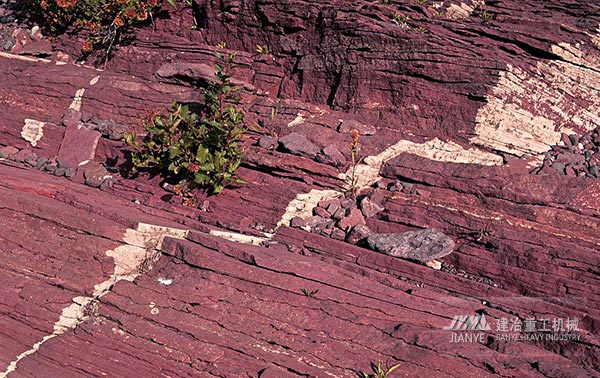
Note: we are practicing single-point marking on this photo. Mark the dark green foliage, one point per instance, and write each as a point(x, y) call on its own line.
point(202, 150)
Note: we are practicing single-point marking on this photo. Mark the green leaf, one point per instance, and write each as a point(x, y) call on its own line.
point(173, 3)
point(130, 139)
point(207, 167)
point(154, 130)
point(174, 151)
point(184, 112)
point(200, 178)
point(202, 154)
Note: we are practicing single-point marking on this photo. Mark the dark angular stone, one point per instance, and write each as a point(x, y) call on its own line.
point(337, 234)
point(71, 118)
point(566, 140)
point(339, 214)
point(346, 126)
point(377, 196)
point(109, 128)
point(348, 203)
point(298, 144)
point(70, 172)
point(314, 221)
point(570, 157)
point(31, 160)
point(41, 162)
point(331, 155)
point(325, 203)
point(574, 139)
point(333, 207)
point(267, 142)
point(326, 231)
point(368, 208)
point(59, 171)
point(22, 155)
point(62, 164)
point(559, 167)
point(354, 218)
point(94, 174)
point(321, 212)
point(4, 153)
point(358, 233)
point(106, 184)
point(49, 167)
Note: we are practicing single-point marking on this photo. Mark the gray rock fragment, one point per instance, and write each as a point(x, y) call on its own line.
point(298, 144)
point(423, 245)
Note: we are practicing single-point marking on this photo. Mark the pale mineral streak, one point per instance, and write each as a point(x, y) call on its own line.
point(141, 247)
point(529, 109)
point(32, 131)
point(367, 172)
point(77, 100)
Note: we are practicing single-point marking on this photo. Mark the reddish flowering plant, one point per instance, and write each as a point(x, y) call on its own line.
point(100, 21)
point(356, 160)
point(87, 46)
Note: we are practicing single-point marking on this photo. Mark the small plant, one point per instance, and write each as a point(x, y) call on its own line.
point(90, 309)
point(420, 2)
point(439, 12)
point(380, 370)
point(102, 22)
point(309, 293)
point(356, 160)
point(480, 9)
point(421, 29)
point(262, 49)
point(399, 19)
point(196, 150)
point(485, 15)
point(385, 2)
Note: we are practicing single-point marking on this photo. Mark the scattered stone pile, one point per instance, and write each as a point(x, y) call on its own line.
point(92, 174)
point(340, 219)
point(345, 218)
point(108, 128)
point(575, 157)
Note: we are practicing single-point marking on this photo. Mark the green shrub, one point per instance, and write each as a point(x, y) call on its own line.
point(201, 150)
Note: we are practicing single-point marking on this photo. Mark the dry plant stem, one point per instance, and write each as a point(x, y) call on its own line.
point(354, 150)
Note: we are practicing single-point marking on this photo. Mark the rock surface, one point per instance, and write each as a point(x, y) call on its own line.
point(463, 115)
